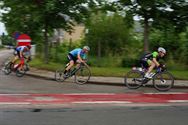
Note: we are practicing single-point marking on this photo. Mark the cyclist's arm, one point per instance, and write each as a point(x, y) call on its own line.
point(80, 59)
point(28, 54)
point(155, 55)
point(21, 54)
point(156, 62)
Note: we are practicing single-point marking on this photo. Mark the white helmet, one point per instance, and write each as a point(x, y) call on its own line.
point(161, 49)
point(86, 48)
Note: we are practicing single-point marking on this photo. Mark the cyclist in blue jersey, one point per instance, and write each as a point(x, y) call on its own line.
point(75, 55)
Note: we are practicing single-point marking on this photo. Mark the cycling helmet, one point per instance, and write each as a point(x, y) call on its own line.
point(29, 46)
point(161, 49)
point(86, 48)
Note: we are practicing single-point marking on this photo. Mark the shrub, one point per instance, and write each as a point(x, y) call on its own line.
point(129, 62)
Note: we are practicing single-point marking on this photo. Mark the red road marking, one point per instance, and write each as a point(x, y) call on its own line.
point(91, 98)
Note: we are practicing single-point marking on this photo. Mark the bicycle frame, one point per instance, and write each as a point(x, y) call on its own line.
point(72, 72)
point(77, 72)
point(145, 80)
point(14, 67)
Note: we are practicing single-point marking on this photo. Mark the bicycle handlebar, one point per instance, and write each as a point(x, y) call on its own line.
point(85, 64)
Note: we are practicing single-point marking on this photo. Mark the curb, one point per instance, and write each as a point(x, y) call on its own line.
point(101, 83)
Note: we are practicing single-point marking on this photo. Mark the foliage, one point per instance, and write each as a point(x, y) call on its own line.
point(30, 16)
point(104, 61)
point(108, 35)
point(159, 14)
point(7, 40)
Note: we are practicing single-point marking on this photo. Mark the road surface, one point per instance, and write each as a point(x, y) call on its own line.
point(34, 101)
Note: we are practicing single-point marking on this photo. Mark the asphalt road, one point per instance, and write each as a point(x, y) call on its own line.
point(96, 116)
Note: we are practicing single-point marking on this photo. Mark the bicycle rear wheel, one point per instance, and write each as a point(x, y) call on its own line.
point(83, 75)
point(133, 79)
point(59, 75)
point(163, 81)
point(7, 68)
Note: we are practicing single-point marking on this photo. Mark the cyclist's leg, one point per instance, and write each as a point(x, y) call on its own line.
point(144, 64)
point(16, 57)
point(22, 61)
point(71, 63)
point(78, 63)
point(151, 67)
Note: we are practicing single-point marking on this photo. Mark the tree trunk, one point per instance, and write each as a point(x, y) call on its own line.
point(70, 41)
point(99, 50)
point(57, 43)
point(46, 47)
point(146, 35)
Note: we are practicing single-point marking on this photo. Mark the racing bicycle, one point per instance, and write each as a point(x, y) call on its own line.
point(81, 73)
point(161, 79)
point(9, 67)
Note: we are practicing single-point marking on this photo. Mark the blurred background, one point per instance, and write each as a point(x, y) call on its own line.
point(117, 31)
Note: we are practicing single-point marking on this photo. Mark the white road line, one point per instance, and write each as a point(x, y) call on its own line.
point(166, 93)
point(173, 101)
point(15, 94)
point(91, 94)
point(102, 102)
point(15, 103)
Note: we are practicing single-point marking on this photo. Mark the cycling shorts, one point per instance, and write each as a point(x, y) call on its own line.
point(144, 63)
point(71, 57)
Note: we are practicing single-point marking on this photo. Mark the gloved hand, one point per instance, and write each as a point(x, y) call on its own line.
point(158, 69)
point(29, 59)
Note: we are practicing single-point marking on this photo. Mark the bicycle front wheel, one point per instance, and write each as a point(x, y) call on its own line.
point(22, 72)
point(163, 81)
point(133, 79)
point(59, 75)
point(83, 75)
point(7, 68)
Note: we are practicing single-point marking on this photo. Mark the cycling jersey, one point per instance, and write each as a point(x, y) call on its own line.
point(149, 57)
point(20, 48)
point(77, 52)
point(146, 60)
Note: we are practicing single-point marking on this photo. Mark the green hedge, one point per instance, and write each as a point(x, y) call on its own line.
point(129, 62)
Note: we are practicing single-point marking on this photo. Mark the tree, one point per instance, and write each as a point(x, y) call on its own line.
point(108, 34)
point(156, 13)
point(143, 9)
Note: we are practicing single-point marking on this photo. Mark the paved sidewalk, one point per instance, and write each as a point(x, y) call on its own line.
point(96, 80)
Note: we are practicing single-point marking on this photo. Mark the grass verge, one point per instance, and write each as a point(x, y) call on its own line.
point(103, 71)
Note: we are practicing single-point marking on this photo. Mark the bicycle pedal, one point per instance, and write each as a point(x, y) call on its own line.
point(65, 76)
